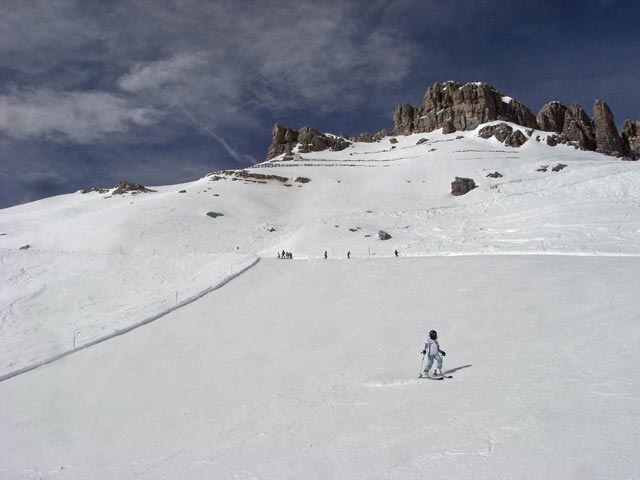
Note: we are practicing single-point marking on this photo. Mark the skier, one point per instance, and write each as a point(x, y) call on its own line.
point(349, 254)
point(325, 254)
point(396, 253)
point(433, 352)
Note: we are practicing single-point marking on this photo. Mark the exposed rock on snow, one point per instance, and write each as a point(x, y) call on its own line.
point(251, 177)
point(558, 167)
point(608, 140)
point(500, 131)
point(215, 214)
point(124, 187)
point(494, 175)
point(504, 133)
point(382, 235)
point(516, 139)
point(97, 190)
point(460, 186)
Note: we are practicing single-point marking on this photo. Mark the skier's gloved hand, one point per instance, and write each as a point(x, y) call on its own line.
point(424, 352)
point(443, 353)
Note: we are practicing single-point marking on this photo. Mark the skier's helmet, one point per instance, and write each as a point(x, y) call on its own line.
point(433, 335)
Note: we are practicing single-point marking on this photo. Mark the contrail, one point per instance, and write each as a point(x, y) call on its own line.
point(211, 133)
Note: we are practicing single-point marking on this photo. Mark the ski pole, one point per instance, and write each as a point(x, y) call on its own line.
point(421, 364)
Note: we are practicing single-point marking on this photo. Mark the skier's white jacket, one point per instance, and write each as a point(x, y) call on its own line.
point(432, 347)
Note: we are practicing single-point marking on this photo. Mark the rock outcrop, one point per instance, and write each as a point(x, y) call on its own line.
point(550, 118)
point(403, 118)
point(504, 133)
point(124, 187)
point(631, 136)
point(578, 128)
point(608, 140)
point(308, 139)
point(453, 106)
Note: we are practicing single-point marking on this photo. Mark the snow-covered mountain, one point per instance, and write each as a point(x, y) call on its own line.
point(306, 368)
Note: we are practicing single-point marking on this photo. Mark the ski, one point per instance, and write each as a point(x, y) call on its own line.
point(438, 377)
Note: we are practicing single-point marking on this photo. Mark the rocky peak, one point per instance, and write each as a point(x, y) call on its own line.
point(308, 139)
point(631, 136)
point(578, 128)
point(550, 118)
point(454, 106)
point(608, 140)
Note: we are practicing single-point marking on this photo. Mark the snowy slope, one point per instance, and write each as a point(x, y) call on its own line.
point(307, 370)
point(101, 263)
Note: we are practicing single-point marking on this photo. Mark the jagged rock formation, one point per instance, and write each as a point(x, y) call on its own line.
point(631, 136)
point(453, 106)
point(283, 139)
point(578, 128)
point(550, 118)
point(607, 139)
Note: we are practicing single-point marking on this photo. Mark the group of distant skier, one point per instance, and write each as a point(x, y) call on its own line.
point(285, 255)
point(326, 255)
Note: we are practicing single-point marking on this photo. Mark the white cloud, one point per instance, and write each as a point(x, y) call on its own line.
point(169, 72)
point(77, 116)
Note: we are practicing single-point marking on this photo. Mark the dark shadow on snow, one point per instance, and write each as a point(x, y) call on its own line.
point(456, 369)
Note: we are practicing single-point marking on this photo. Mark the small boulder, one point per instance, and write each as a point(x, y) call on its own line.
point(393, 140)
point(421, 141)
point(460, 186)
point(215, 214)
point(558, 167)
point(382, 235)
point(495, 175)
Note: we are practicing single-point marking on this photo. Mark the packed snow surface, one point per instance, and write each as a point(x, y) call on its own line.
point(307, 368)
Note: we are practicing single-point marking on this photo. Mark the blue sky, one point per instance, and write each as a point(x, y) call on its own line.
point(159, 91)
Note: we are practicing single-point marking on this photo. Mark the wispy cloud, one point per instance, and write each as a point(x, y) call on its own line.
point(74, 116)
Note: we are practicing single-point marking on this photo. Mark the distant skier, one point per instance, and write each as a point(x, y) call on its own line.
point(325, 254)
point(433, 352)
point(349, 254)
point(396, 252)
